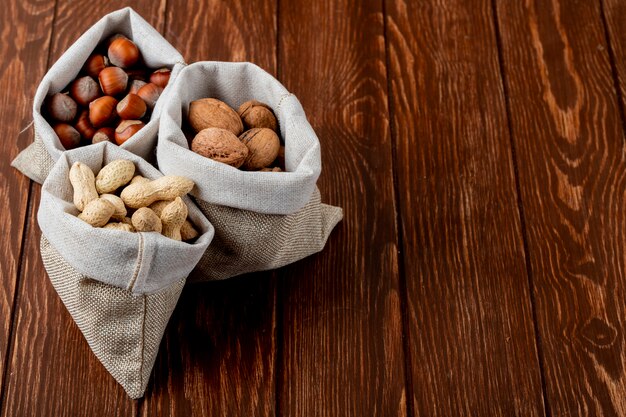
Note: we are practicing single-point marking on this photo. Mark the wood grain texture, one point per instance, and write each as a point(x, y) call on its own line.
point(570, 153)
point(220, 30)
point(219, 354)
point(52, 370)
point(471, 335)
point(26, 27)
point(341, 325)
point(614, 16)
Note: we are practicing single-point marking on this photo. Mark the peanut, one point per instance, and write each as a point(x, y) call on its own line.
point(173, 217)
point(146, 220)
point(119, 226)
point(165, 188)
point(120, 208)
point(113, 175)
point(83, 181)
point(97, 213)
point(139, 178)
point(187, 231)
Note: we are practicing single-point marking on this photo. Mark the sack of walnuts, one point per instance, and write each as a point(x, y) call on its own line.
point(37, 159)
point(263, 219)
point(120, 287)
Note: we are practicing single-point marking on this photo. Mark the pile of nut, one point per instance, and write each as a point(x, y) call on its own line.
point(153, 206)
point(110, 100)
point(246, 139)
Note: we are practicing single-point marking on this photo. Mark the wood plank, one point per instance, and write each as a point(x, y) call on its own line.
point(341, 322)
point(471, 335)
point(614, 16)
point(52, 371)
point(27, 28)
point(570, 152)
point(219, 352)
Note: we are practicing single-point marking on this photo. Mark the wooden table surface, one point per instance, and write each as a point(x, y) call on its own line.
point(477, 149)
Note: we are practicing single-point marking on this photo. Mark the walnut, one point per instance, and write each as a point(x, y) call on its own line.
point(210, 112)
point(253, 113)
point(220, 145)
point(263, 145)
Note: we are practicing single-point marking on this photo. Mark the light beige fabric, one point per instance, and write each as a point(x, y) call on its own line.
point(123, 329)
point(246, 241)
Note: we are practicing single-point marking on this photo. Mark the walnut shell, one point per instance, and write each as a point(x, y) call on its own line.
point(210, 112)
point(253, 113)
point(263, 145)
point(220, 145)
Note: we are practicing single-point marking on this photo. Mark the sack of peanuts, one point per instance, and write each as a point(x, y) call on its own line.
point(92, 93)
point(118, 242)
point(246, 143)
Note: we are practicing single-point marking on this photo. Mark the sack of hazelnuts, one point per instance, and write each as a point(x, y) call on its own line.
point(120, 286)
point(108, 86)
point(245, 141)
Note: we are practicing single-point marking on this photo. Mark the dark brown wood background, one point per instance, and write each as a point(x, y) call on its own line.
point(477, 148)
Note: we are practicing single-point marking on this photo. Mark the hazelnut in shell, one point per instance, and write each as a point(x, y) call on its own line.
point(84, 126)
point(113, 81)
point(126, 129)
point(84, 90)
point(253, 113)
point(220, 145)
point(160, 77)
point(94, 64)
point(123, 52)
point(150, 93)
point(104, 134)
point(62, 107)
point(210, 112)
point(69, 137)
point(131, 107)
point(263, 145)
point(135, 85)
point(102, 111)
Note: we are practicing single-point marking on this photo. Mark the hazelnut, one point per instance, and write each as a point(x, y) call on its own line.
point(113, 81)
point(135, 85)
point(62, 108)
point(123, 52)
point(220, 145)
point(256, 114)
point(94, 64)
point(112, 38)
point(150, 93)
point(84, 90)
point(160, 77)
point(263, 145)
point(102, 111)
point(84, 126)
point(104, 134)
point(210, 112)
point(126, 130)
point(131, 107)
point(69, 137)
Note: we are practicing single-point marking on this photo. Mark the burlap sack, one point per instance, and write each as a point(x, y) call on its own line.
point(37, 159)
point(262, 220)
point(119, 287)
